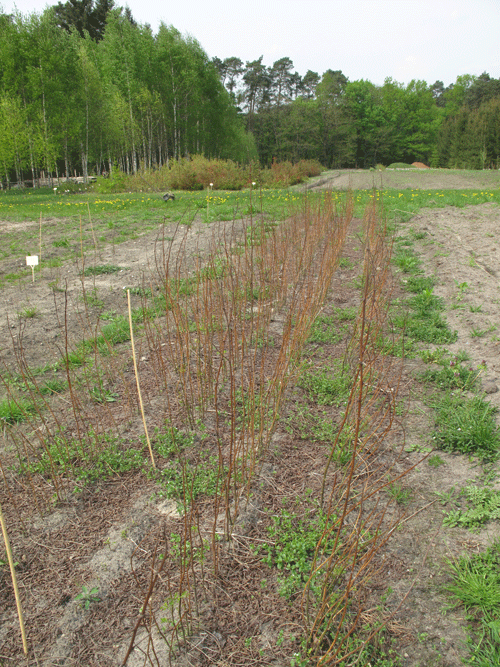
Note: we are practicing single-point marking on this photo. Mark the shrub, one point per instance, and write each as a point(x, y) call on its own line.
point(197, 172)
point(400, 165)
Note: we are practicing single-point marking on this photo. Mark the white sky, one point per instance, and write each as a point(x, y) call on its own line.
point(366, 39)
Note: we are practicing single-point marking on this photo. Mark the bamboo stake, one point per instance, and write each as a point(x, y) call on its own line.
point(14, 581)
point(137, 379)
point(40, 253)
point(92, 229)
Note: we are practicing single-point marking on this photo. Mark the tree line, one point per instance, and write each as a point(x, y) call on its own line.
point(85, 88)
point(356, 123)
point(87, 95)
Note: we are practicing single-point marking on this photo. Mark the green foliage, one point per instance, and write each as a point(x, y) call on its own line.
point(400, 165)
point(325, 330)
point(13, 411)
point(293, 542)
point(85, 463)
point(185, 482)
point(407, 262)
point(101, 269)
point(328, 386)
point(346, 314)
point(53, 386)
point(483, 504)
point(88, 597)
point(170, 441)
point(423, 321)
point(399, 493)
point(451, 376)
point(431, 328)
point(29, 312)
point(466, 425)
point(435, 461)
point(61, 243)
point(475, 585)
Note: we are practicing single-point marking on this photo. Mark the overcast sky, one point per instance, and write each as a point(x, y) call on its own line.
point(366, 39)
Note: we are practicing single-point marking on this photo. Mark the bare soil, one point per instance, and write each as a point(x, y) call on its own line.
point(105, 536)
point(424, 179)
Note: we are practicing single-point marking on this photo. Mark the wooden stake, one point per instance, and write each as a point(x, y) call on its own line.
point(40, 253)
point(14, 581)
point(137, 379)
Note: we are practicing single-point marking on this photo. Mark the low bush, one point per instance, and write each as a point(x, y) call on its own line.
point(198, 172)
point(400, 165)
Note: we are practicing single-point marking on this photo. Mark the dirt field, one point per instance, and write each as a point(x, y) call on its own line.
point(425, 179)
point(104, 537)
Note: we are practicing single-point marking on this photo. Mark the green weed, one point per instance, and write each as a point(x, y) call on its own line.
point(61, 456)
point(483, 504)
point(15, 411)
point(407, 262)
point(466, 426)
point(29, 312)
point(101, 269)
point(431, 328)
point(293, 542)
point(345, 263)
point(476, 586)
point(329, 386)
point(185, 483)
point(61, 243)
point(435, 461)
point(88, 597)
point(399, 493)
point(345, 314)
point(451, 376)
point(325, 330)
point(417, 284)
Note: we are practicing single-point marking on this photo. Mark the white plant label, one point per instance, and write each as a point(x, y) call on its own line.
point(32, 260)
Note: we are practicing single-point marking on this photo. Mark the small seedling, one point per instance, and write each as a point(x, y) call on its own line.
point(87, 597)
point(401, 495)
point(435, 461)
point(462, 288)
point(29, 312)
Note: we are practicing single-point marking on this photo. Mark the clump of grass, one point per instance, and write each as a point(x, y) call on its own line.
point(476, 587)
point(428, 328)
point(53, 386)
point(61, 456)
point(346, 314)
point(466, 426)
point(399, 493)
point(326, 330)
point(451, 376)
point(101, 269)
point(61, 243)
point(15, 411)
point(407, 262)
point(29, 312)
point(328, 386)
